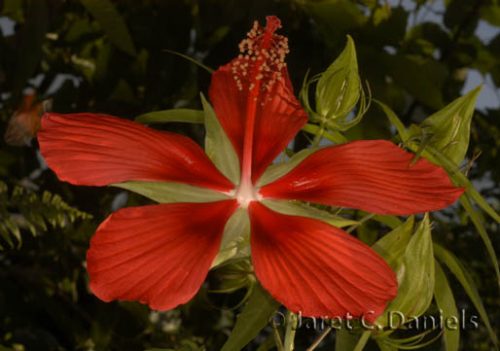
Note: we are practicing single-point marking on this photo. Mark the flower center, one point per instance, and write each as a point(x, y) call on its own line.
point(247, 193)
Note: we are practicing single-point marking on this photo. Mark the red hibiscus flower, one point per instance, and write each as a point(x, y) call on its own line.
point(161, 254)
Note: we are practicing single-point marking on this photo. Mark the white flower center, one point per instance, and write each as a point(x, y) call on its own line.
point(247, 193)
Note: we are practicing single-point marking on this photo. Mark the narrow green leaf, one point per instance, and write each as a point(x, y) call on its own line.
point(278, 170)
point(167, 192)
point(415, 275)
point(339, 87)
point(478, 224)
point(464, 278)
point(174, 115)
point(449, 128)
point(363, 340)
point(392, 246)
point(218, 146)
point(462, 180)
point(252, 319)
point(394, 119)
point(446, 302)
point(112, 24)
point(294, 208)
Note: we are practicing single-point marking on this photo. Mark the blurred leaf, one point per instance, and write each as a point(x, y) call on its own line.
point(415, 275)
point(491, 14)
point(31, 40)
point(446, 302)
point(168, 192)
point(448, 129)
point(174, 115)
point(293, 208)
point(335, 18)
point(14, 10)
point(112, 23)
point(218, 146)
point(462, 275)
point(423, 78)
point(252, 319)
point(345, 340)
point(339, 89)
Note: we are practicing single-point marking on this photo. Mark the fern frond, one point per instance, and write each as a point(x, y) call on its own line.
point(23, 209)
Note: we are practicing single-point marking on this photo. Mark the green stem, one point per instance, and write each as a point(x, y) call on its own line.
point(291, 328)
point(362, 341)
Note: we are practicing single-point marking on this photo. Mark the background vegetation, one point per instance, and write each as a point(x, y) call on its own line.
point(112, 57)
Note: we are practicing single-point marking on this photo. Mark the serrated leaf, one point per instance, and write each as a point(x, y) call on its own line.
point(446, 302)
point(464, 278)
point(293, 208)
point(235, 239)
point(173, 115)
point(276, 171)
point(218, 146)
point(392, 246)
point(415, 275)
point(252, 319)
point(339, 87)
point(112, 24)
point(448, 129)
point(168, 192)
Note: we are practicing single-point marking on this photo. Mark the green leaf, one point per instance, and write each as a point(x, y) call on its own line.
point(415, 275)
point(295, 208)
point(332, 135)
point(235, 240)
point(252, 319)
point(448, 129)
point(392, 246)
point(218, 146)
point(168, 192)
point(394, 119)
point(464, 278)
point(446, 302)
point(345, 339)
point(112, 24)
point(339, 88)
point(278, 170)
point(174, 115)
point(423, 78)
point(478, 224)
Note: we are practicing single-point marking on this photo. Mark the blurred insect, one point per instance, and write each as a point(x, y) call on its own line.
point(25, 122)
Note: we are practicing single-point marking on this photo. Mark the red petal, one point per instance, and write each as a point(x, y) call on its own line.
point(371, 175)
point(257, 106)
point(316, 269)
point(159, 254)
point(90, 149)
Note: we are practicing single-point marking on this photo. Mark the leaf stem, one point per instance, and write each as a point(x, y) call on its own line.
point(319, 339)
point(291, 328)
point(362, 341)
